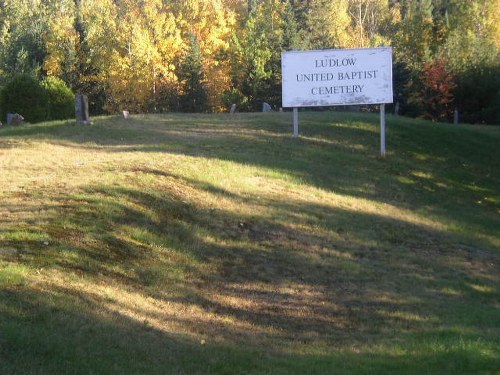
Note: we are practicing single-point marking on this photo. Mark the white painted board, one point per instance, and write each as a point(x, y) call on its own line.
point(337, 77)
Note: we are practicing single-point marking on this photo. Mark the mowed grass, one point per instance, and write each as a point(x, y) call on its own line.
point(218, 244)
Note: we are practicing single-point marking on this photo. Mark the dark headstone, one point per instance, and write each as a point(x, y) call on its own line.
point(82, 109)
point(266, 107)
point(396, 109)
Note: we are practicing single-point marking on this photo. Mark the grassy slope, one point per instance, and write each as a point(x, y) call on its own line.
point(219, 244)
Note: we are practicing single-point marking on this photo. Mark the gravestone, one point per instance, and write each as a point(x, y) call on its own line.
point(266, 107)
point(232, 109)
point(82, 109)
point(14, 119)
point(126, 114)
point(455, 117)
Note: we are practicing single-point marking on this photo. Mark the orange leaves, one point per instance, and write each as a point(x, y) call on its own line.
point(438, 85)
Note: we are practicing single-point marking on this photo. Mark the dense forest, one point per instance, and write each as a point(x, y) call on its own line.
point(203, 55)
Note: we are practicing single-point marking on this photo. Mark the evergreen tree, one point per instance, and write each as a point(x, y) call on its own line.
point(268, 31)
point(193, 97)
point(22, 48)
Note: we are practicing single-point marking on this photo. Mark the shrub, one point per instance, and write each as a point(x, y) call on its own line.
point(437, 95)
point(61, 100)
point(26, 96)
point(37, 101)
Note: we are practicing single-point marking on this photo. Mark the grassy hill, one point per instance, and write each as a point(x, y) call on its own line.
point(219, 244)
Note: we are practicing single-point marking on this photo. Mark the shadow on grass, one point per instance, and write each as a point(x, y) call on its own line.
point(266, 292)
point(42, 337)
point(66, 332)
point(452, 175)
point(306, 278)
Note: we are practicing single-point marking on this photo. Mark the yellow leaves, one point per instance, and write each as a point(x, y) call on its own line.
point(146, 44)
point(60, 42)
point(218, 81)
point(493, 20)
point(213, 23)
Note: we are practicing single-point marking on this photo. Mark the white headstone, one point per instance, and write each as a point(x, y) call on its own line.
point(266, 107)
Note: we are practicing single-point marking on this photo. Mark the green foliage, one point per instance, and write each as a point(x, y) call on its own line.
point(256, 69)
point(413, 37)
point(26, 96)
point(467, 35)
point(474, 58)
point(251, 69)
point(194, 96)
point(401, 78)
point(22, 46)
point(60, 97)
point(234, 96)
point(327, 24)
point(37, 101)
point(478, 95)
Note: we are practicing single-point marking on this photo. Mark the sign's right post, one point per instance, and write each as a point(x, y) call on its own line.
point(382, 130)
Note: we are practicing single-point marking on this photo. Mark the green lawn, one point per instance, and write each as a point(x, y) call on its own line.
point(218, 244)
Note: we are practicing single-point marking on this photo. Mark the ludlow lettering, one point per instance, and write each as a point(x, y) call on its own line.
point(331, 63)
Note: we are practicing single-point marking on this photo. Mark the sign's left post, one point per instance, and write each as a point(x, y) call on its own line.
point(295, 122)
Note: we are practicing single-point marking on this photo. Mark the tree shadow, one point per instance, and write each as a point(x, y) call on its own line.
point(284, 279)
point(336, 152)
point(68, 332)
point(297, 275)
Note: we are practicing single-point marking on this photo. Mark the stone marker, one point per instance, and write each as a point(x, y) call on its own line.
point(126, 114)
point(396, 109)
point(233, 108)
point(82, 109)
point(14, 119)
point(266, 107)
point(455, 117)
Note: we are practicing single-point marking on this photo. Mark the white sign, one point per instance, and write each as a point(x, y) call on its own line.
point(337, 77)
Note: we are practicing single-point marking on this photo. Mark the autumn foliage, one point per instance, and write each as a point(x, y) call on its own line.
point(437, 90)
point(204, 55)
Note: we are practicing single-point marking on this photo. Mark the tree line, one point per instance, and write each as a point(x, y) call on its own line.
point(204, 55)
